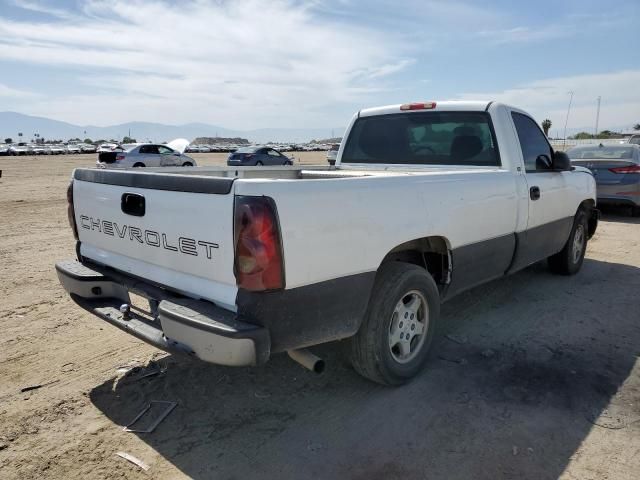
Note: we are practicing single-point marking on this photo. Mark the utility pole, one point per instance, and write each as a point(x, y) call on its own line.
point(567, 119)
point(597, 118)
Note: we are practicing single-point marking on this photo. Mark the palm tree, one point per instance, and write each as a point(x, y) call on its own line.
point(546, 125)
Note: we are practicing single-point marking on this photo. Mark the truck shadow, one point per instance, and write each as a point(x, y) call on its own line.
point(522, 370)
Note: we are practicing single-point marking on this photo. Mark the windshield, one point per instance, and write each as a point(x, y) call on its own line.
point(613, 153)
point(425, 138)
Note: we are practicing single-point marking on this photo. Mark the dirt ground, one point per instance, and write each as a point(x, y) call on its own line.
point(533, 376)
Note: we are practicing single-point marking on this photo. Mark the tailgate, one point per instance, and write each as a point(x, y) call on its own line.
point(171, 229)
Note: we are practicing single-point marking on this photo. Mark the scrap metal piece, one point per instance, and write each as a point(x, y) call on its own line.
point(169, 407)
point(134, 460)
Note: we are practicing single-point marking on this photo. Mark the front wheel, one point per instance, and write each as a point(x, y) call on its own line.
point(138, 165)
point(258, 164)
point(393, 342)
point(568, 261)
point(187, 164)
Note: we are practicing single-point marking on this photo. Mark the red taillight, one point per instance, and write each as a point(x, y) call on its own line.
point(627, 169)
point(71, 212)
point(120, 157)
point(258, 250)
point(418, 106)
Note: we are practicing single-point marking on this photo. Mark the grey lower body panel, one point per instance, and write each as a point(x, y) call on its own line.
point(174, 324)
point(480, 262)
point(540, 242)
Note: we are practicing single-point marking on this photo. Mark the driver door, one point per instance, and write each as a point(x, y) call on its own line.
point(550, 219)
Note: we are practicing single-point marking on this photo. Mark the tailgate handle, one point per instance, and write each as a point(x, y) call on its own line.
point(133, 204)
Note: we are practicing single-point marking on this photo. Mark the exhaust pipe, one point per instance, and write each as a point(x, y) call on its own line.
point(307, 359)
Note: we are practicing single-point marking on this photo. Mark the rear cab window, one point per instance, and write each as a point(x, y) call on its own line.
point(424, 138)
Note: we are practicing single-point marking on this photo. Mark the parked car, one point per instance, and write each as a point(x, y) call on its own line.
point(107, 147)
point(56, 149)
point(147, 155)
point(87, 148)
point(257, 156)
point(19, 149)
point(332, 153)
point(4, 149)
point(634, 139)
point(73, 148)
point(616, 169)
point(38, 150)
point(426, 201)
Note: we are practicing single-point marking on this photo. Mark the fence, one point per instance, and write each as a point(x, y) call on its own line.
point(588, 141)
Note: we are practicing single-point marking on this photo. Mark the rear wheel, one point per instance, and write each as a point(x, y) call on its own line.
point(568, 261)
point(187, 164)
point(258, 164)
point(394, 339)
point(138, 165)
point(635, 211)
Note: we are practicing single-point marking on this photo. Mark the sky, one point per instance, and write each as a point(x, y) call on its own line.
point(246, 64)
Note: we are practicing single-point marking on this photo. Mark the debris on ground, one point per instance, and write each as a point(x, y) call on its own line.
point(488, 353)
point(459, 339)
point(134, 460)
point(514, 450)
point(150, 411)
point(459, 361)
point(36, 387)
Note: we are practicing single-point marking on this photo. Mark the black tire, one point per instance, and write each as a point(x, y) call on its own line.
point(187, 164)
point(635, 211)
point(372, 356)
point(138, 165)
point(258, 164)
point(568, 261)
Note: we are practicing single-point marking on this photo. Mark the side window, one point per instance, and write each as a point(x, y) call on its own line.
point(164, 150)
point(149, 149)
point(533, 144)
point(273, 153)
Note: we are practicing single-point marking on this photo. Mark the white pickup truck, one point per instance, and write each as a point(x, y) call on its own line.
point(426, 200)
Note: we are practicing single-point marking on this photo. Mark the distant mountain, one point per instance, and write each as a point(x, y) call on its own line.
point(12, 123)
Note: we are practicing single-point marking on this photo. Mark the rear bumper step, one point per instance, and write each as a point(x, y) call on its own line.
point(174, 324)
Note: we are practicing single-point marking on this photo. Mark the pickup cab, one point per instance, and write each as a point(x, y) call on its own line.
point(234, 264)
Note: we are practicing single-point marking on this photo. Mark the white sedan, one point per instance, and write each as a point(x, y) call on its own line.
point(147, 155)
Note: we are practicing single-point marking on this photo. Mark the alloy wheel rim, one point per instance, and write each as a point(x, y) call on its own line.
point(408, 326)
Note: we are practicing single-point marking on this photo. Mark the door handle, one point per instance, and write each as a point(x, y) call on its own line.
point(534, 193)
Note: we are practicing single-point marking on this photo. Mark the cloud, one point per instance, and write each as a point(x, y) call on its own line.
point(199, 60)
point(549, 98)
point(39, 7)
point(7, 92)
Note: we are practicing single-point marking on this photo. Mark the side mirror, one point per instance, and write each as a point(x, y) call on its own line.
point(561, 161)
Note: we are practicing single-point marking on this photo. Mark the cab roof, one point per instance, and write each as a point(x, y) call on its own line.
point(442, 106)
